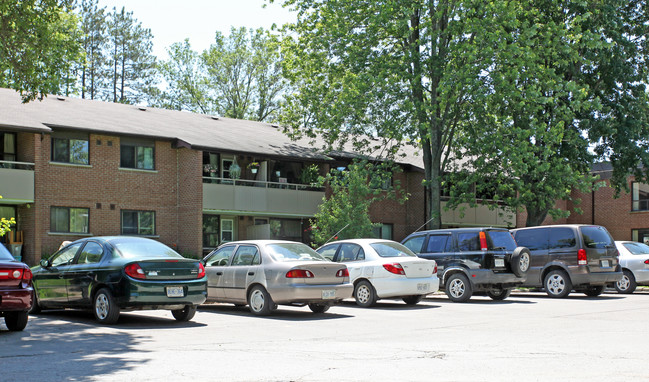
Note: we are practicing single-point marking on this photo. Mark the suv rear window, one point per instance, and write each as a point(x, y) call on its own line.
point(468, 241)
point(562, 237)
point(596, 237)
point(502, 240)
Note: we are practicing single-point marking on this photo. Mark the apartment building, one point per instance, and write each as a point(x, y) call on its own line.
point(71, 168)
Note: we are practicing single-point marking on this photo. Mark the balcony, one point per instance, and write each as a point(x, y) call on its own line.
point(16, 182)
point(480, 215)
point(253, 197)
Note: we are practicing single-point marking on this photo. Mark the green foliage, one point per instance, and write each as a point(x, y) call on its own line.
point(309, 174)
point(5, 224)
point(244, 73)
point(39, 43)
point(188, 86)
point(528, 138)
point(345, 213)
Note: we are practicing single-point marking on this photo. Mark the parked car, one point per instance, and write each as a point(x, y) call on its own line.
point(15, 291)
point(120, 273)
point(570, 256)
point(265, 273)
point(634, 260)
point(383, 269)
point(473, 260)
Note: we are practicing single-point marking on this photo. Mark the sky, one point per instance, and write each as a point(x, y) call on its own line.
point(174, 20)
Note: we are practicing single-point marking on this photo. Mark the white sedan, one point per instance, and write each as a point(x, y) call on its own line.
point(634, 259)
point(383, 269)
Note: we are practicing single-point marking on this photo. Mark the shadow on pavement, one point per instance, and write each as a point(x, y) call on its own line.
point(479, 299)
point(56, 347)
point(284, 313)
point(388, 304)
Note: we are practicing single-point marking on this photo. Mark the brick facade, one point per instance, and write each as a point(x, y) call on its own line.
point(173, 190)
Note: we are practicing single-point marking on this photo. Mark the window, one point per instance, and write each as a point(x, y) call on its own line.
point(227, 230)
point(91, 253)
point(66, 255)
point(415, 243)
point(350, 252)
point(138, 222)
point(139, 154)
point(70, 148)
point(388, 249)
point(640, 194)
point(596, 237)
point(67, 219)
point(467, 242)
point(286, 229)
point(533, 239)
point(220, 257)
point(8, 146)
point(211, 231)
point(438, 244)
point(246, 255)
point(640, 235)
point(383, 231)
point(501, 240)
point(562, 238)
point(329, 251)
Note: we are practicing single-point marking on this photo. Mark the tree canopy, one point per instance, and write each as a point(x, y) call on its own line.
point(516, 99)
point(39, 44)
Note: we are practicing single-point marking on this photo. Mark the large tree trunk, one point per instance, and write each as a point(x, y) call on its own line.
point(535, 216)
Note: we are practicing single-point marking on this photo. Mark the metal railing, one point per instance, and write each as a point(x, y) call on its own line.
point(16, 165)
point(264, 184)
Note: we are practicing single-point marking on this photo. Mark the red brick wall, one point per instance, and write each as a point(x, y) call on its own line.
point(173, 191)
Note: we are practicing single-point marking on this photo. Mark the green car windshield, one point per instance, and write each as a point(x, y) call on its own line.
point(293, 252)
point(143, 249)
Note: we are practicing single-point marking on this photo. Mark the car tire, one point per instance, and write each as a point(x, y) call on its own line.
point(259, 301)
point(626, 284)
point(16, 321)
point(319, 308)
point(499, 294)
point(520, 261)
point(413, 300)
point(105, 308)
point(184, 314)
point(557, 284)
point(458, 288)
point(595, 290)
point(364, 294)
point(36, 306)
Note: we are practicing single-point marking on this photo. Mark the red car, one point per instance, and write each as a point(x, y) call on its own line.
point(16, 291)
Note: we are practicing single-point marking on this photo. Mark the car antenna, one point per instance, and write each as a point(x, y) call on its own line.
point(423, 225)
point(336, 234)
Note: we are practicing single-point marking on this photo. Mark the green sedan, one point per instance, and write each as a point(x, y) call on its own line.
point(119, 273)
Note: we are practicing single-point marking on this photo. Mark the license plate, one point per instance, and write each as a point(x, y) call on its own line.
point(175, 292)
point(328, 294)
point(500, 263)
point(423, 287)
point(605, 264)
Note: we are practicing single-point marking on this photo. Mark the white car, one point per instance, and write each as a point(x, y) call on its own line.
point(383, 269)
point(634, 259)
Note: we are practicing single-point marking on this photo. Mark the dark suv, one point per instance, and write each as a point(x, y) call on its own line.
point(572, 256)
point(473, 260)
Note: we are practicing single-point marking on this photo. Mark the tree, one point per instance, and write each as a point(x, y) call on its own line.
point(38, 46)
point(244, 73)
point(345, 213)
point(92, 21)
point(402, 70)
point(132, 65)
point(186, 82)
point(530, 137)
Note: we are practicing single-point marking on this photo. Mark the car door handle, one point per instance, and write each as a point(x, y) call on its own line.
point(219, 273)
point(60, 275)
point(251, 273)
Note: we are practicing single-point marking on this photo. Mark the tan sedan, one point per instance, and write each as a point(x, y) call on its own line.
point(265, 273)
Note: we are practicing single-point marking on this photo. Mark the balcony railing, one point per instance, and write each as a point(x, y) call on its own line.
point(16, 165)
point(263, 184)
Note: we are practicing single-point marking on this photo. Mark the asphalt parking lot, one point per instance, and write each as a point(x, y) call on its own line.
point(528, 337)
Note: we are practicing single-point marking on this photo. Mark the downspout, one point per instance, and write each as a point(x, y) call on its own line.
point(592, 205)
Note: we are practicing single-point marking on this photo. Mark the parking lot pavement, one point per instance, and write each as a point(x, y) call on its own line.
point(528, 337)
